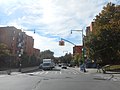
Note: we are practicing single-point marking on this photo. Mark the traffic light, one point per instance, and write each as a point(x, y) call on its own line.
point(61, 43)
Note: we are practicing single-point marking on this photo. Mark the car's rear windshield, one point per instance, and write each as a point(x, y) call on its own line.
point(46, 64)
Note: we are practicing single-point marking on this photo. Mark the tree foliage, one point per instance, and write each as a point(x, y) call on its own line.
point(4, 55)
point(28, 61)
point(77, 58)
point(66, 59)
point(47, 54)
point(104, 43)
point(4, 51)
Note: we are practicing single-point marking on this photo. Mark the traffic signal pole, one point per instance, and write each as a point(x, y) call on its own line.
point(83, 64)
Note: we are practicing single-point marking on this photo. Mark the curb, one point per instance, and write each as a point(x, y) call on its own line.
point(103, 77)
point(23, 70)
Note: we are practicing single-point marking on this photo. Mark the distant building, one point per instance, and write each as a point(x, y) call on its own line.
point(77, 50)
point(88, 31)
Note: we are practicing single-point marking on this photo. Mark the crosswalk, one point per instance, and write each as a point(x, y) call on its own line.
point(43, 73)
point(54, 73)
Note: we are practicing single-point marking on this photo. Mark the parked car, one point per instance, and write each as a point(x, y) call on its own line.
point(64, 66)
point(59, 65)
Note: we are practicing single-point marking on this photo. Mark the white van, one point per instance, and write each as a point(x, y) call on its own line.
point(47, 64)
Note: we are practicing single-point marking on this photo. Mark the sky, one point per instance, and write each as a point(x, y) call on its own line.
point(52, 20)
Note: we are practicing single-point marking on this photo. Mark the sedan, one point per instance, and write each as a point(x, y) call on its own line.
point(64, 66)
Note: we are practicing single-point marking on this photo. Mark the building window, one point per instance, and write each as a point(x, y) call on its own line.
point(14, 32)
point(13, 38)
point(19, 34)
point(19, 40)
point(19, 45)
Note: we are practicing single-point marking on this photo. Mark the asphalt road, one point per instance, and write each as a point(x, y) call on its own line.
point(57, 79)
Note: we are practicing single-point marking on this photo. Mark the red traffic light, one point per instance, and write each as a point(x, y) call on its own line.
point(61, 43)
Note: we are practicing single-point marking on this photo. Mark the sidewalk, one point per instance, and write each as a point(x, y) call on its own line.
point(115, 76)
point(23, 70)
point(88, 70)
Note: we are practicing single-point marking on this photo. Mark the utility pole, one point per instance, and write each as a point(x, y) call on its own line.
point(83, 49)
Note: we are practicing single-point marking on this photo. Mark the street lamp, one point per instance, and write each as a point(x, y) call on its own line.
point(83, 49)
point(82, 34)
point(29, 30)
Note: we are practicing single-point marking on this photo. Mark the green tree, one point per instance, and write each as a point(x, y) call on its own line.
point(47, 54)
point(77, 58)
point(104, 43)
point(67, 58)
point(25, 60)
point(4, 55)
point(33, 60)
point(4, 51)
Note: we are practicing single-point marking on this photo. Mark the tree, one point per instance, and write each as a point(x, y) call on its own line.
point(33, 60)
point(4, 51)
point(24, 60)
point(66, 59)
point(47, 54)
point(77, 58)
point(4, 55)
point(27, 60)
point(105, 39)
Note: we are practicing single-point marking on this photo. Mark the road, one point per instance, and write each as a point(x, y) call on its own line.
point(57, 79)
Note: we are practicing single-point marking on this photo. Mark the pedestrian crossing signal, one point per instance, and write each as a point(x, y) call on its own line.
point(61, 43)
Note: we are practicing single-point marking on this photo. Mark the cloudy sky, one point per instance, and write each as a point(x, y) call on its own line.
point(51, 20)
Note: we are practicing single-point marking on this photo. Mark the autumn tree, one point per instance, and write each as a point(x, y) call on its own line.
point(46, 54)
point(67, 58)
point(104, 43)
point(4, 55)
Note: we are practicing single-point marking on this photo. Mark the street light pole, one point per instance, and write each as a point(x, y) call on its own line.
point(29, 30)
point(82, 48)
point(82, 34)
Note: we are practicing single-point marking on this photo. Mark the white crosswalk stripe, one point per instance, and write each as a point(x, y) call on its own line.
point(46, 72)
point(60, 73)
point(41, 73)
point(54, 73)
point(1, 76)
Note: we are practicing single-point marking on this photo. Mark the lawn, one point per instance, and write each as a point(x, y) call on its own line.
point(112, 67)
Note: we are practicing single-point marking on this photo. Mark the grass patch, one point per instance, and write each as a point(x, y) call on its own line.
point(112, 67)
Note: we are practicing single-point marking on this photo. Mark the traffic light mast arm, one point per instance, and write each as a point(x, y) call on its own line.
point(30, 30)
point(68, 41)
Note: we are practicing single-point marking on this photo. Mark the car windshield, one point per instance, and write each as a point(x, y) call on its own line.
point(59, 44)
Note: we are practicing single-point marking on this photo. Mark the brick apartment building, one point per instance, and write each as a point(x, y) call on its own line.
point(29, 43)
point(36, 52)
point(77, 50)
point(17, 41)
point(9, 36)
